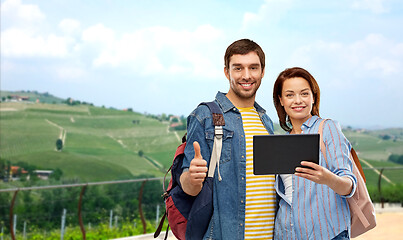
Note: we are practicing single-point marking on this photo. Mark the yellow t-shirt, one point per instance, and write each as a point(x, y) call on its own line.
point(260, 192)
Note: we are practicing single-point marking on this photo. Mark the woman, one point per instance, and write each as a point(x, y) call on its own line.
point(313, 201)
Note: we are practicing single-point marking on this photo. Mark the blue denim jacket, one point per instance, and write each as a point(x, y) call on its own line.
point(229, 194)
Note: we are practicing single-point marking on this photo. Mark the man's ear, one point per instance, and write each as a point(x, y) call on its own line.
point(226, 72)
point(263, 72)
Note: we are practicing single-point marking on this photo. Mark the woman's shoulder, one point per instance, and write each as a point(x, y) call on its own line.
point(332, 128)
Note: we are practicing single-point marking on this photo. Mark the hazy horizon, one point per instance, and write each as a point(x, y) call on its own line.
point(167, 57)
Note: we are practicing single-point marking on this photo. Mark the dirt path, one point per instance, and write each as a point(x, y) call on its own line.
point(63, 132)
point(389, 226)
point(176, 134)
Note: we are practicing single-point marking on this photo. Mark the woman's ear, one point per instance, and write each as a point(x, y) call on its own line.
point(281, 102)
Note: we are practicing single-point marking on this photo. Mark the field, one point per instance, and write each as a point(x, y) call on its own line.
point(104, 144)
point(107, 144)
point(99, 144)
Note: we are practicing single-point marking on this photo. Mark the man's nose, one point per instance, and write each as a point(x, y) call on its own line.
point(246, 74)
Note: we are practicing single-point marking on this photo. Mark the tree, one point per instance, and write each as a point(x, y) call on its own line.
point(59, 144)
point(141, 153)
point(396, 158)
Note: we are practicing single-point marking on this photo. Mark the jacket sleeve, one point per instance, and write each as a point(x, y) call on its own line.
point(196, 132)
point(338, 152)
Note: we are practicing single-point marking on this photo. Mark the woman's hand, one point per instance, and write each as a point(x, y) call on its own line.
point(317, 174)
point(322, 175)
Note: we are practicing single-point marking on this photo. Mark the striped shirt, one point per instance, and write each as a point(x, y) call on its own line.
point(316, 211)
point(260, 192)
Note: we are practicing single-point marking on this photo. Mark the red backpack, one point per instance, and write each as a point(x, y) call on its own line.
point(189, 216)
point(362, 210)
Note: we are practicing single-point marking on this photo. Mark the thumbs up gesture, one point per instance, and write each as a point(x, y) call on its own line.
point(198, 167)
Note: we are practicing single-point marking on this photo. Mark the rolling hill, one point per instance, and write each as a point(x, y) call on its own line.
point(107, 144)
point(99, 144)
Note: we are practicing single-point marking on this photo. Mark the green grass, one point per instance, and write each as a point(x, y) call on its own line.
point(101, 144)
point(394, 175)
point(372, 147)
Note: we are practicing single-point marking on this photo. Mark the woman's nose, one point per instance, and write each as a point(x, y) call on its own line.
point(298, 98)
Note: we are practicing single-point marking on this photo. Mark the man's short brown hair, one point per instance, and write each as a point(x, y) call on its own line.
point(243, 47)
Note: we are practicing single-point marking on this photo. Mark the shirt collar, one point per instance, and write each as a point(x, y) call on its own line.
point(227, 105)
point(311, 121)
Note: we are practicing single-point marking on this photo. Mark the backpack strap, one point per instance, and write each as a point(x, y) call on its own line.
point(353, 154)
point(218, 122)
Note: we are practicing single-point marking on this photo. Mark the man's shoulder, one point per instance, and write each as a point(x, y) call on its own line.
point(201, 113)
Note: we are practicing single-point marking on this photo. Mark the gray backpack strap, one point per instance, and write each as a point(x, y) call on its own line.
point(218, 122)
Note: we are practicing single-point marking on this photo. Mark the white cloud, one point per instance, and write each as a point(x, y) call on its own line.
point(21, 43)
point(15, 10)
point(269, 12)
point(99, 34)
point(148, 51)
point(374, 57)
point(158, 50)
point(376, 6)
point(70, 26)
point(23, 36)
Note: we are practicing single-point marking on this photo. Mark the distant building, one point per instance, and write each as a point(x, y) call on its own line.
point(16, 172)
point(171, 118)
point(175, 124)
point(43, 174)
point(19, 98)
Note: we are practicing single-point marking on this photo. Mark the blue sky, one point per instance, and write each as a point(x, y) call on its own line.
point(161, 56)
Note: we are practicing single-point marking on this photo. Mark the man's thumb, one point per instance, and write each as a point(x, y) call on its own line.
point(196, 146)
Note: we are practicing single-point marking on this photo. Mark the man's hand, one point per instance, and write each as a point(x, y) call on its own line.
point(192, 181)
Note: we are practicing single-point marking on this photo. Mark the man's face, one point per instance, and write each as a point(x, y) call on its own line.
point(245, 75)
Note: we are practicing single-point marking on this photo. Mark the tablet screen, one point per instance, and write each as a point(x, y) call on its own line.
point(278, 154)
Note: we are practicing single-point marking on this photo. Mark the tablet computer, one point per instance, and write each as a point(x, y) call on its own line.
point(275, 154)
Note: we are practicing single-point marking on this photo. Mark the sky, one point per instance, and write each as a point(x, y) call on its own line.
point(160, 56)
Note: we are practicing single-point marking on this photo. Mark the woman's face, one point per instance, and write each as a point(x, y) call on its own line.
point(297, 99)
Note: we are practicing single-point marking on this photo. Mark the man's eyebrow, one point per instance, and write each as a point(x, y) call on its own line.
point(240, 64)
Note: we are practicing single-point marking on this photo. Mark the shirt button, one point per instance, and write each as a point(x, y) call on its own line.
point(241, 224)
point(243, 178)
point(241, 135)
point(241, 201)
point(243, 156)
point(234, 109)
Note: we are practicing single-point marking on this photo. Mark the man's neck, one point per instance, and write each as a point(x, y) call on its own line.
point(240, 102)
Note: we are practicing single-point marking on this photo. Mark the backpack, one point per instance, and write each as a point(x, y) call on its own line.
point(189, 216)
point(362, 210)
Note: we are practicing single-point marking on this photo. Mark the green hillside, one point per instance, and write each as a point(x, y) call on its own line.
point(99, 144)
point(104, 144)
point(33, 96)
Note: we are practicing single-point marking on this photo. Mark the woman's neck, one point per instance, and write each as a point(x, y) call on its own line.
point(296, 127)
point(296, 130)
point(297, 124)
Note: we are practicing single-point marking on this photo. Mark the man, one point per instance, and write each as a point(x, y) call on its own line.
point(244, 204)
